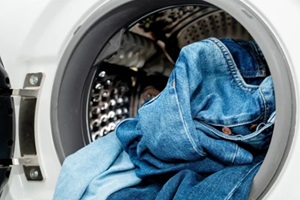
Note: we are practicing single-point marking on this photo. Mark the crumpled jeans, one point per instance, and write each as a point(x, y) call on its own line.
point(195, 140)
point(181, 128)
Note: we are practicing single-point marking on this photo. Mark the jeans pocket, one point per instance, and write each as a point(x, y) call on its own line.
point(255, 135)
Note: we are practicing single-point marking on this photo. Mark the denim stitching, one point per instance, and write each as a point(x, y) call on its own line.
point(257, 56)
point(240, 182)
point(232, 67)
point(231, 125)
point(237, 137)
point(201, 153)
point(233, 70)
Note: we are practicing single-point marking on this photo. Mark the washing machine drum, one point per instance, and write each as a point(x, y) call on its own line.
point(139, 68)
point(7, 123)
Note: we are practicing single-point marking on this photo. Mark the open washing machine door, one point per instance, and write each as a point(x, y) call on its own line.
point(7, 126)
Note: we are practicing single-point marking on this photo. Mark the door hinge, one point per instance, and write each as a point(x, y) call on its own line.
point(29, 163)
point(27, 110)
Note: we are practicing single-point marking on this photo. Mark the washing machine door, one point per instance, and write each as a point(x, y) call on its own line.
point(7, 122)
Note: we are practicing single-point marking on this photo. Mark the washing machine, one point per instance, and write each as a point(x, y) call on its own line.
point(71, 70)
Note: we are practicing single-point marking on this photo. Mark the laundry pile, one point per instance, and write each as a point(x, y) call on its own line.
point(203, 137)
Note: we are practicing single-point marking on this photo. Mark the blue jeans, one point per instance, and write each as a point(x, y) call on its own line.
point(96, 171)
point(199, 138)
point(203, 120)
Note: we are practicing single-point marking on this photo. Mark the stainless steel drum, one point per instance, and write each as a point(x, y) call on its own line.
point(150, 47)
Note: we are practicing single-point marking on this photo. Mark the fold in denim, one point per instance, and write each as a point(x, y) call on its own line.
point(96, 171)
point(180, 128)
point(230, 183)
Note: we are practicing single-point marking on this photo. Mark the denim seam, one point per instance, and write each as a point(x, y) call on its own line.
point(231, 65)
point(231, 125)
point(185, 125)
point(240, 182)
point(252, 48)
point(257, 55)
point(237, 137)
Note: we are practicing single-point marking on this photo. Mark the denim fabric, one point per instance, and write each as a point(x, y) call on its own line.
point(96, 171)
point(249, 60)
point(198, 139)
point(205, 93)
point(230, 183)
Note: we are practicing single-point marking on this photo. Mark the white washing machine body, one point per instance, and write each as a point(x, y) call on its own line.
point(35, 35)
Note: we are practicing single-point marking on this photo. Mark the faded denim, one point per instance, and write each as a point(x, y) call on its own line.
point(96, 171)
